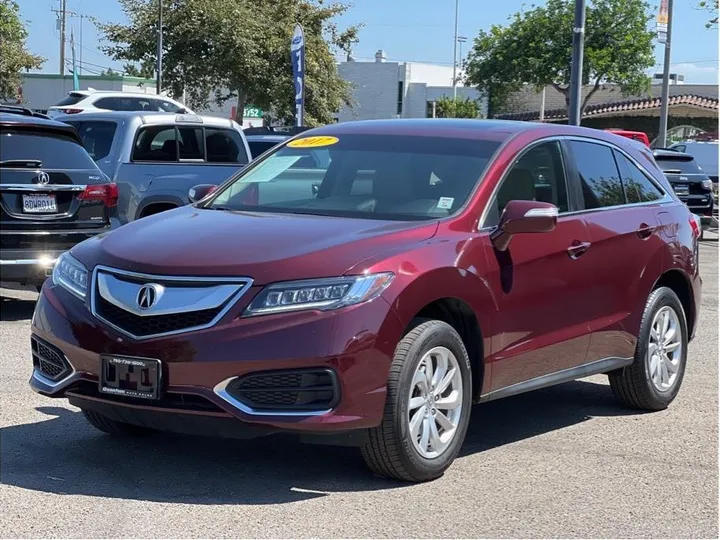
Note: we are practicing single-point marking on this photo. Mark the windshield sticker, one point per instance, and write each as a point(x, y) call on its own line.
point(445, 202)
point(271, 168)
point(313, 142)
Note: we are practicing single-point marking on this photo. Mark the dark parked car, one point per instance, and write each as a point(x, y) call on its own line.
point(262, 139)
point(440, 263)
point(52, 195)
point(692, 185)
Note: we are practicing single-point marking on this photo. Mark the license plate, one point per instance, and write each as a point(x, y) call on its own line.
point(39, 204)
point(130, 377)
point(681, 189)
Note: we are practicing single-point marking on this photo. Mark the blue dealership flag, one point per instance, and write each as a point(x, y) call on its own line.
point(297, 54)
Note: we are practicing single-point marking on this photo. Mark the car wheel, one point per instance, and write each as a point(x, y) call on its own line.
point(428, 406)
point(113, 427)
point(653, 380)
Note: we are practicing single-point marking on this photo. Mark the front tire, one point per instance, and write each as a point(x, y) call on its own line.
point(429, 396)
point(113, 427)
point(653, 380)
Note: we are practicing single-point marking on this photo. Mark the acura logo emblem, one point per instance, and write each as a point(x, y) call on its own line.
point(43, 178)
point(148, 295)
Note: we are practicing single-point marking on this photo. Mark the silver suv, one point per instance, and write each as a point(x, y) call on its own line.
point(155, 158)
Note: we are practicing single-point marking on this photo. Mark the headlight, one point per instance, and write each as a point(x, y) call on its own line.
point(707, 184)
point(322, 294)
point(70, 274)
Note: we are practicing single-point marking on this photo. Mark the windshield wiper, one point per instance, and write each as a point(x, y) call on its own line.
point(21, 163)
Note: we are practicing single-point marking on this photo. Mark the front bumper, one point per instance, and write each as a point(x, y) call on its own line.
point(356, 344)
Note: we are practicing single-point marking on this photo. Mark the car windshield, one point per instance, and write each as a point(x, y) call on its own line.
point(366, 176)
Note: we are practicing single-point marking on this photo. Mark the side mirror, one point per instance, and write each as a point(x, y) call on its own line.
point(523, 217)
point(199, 192)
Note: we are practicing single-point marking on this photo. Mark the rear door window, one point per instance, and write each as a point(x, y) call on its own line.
point(638, 187)
point(156, 143)
point(599, 176)
point(53, 151)
point(225, 146)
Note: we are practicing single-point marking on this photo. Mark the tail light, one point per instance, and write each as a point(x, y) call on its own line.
point(108, 193)
point(695, 225)
point(71, 111)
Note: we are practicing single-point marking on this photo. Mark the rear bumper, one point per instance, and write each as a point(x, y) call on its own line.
point(27, 267)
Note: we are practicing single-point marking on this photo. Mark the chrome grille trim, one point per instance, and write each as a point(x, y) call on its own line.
point(233, 287)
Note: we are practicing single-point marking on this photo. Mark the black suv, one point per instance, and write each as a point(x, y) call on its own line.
point(52, 195)
point(691, 184)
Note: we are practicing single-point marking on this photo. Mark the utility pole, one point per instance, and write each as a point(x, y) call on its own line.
point(664, 100)
point(455, 44)
point(63, 15)
point(158, 82)
point(577, 63)
point(542, 104)
point(461, 40)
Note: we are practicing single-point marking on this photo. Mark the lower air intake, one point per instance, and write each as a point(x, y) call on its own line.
point(49, 360)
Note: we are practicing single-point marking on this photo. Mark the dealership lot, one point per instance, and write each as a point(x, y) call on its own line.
point(566, 461)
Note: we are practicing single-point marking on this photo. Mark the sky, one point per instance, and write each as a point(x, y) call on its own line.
point(407, 30)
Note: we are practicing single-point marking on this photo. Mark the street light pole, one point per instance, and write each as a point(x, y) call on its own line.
point(577, 63)
point(455, 44)
point(664, 100)
point(158, 82)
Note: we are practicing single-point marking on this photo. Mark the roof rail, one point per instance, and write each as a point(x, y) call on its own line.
point(15, 109)
point(275, 130)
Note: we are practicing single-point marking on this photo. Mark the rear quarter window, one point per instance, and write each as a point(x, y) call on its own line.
point(54, 151)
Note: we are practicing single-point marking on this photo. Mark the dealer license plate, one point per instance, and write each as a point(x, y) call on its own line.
point(130, 377)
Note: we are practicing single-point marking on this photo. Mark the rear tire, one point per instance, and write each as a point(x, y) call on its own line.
point(113, 427)
point(429, 397)
point(654, 378)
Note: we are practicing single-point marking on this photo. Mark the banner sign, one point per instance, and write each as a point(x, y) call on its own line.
point(297, 54)
point(662, 21)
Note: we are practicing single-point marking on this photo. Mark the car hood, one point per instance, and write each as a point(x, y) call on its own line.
point(266, 247)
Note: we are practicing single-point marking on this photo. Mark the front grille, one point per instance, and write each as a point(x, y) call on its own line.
point(296, 390)
point(151, 325)
point(49, 360)
point(168, 400)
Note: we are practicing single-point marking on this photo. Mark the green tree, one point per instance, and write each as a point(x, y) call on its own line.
point(14, 57)
point(447, 107)
point(536, 48)
point(218, 50)
point(145, 72)
point(712, 7)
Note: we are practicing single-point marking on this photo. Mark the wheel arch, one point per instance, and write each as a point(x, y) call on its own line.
point(460, 299)
point(167, 201)
point(677, 281)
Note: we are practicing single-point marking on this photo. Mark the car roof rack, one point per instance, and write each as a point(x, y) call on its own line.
point(275, 130)
point(24, 111)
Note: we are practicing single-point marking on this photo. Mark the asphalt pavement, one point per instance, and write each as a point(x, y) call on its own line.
point(561, 462)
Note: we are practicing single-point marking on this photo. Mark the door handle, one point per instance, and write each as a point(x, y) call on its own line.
point(645, 231)
point(577, 249)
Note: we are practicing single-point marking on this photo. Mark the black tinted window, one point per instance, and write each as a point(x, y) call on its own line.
point(599, 176)
point(678, 166)
point(260, 147)
point(190, 143)
point(224, 146)
point(638, 187)
point(97, 137)
point(157, 143)
point(72, 99)
point(539, 175)
point(167, 106)
point(55, 152)
point(125, 104)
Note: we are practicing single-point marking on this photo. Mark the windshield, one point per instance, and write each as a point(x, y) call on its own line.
point(367, 176)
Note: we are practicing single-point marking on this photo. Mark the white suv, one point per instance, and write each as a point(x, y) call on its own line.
point(81, 101)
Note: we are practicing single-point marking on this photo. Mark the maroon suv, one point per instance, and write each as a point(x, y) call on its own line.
point(415, 267)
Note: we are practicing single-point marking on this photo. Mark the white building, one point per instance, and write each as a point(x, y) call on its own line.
point(383, 89)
